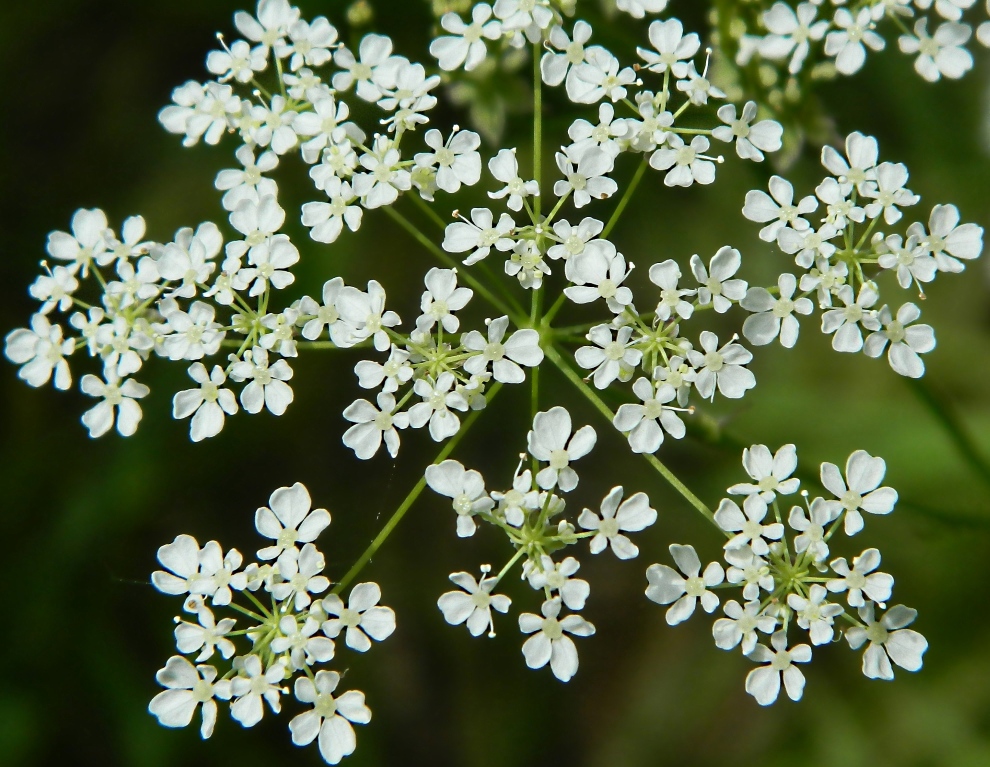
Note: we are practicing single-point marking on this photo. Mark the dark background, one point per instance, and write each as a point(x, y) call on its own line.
point(85, 632)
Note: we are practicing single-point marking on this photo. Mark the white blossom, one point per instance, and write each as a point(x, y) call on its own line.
point(396, 370)
point(645, 424)
point(252, 685)
point(792, 30)
point(672, 48)
point(465, 45)
point(365, 316)
point(564, 54)
point(549, 642)
point(41, 352)
point(266, 385)
point(598, 272)
point(329, 721)
point(290, 520)
point(362, 620)
point(300, 643)
point(812, 528)
point(504, 167)
point(717, 287)
point(849, 41)
point(189, 259)
point(889, 641)
point(474, 604)
point(466, 488)
point(682, 592)
point(721, 368)
point(605, 135)
point(207, 404)
point(550, 441)
point(861, 580)
point(864, 473)
point(906, 341)
point(600, 76)
point(558, 576)
point(371, 71)
point(119, 404)
point(748, 524)
point(889, 192)
point(610, 358)
point(778, 208)
point(630, 516)
point(86, 243)
point(372, 425)
point(479, 235)
point(763, 683)
point(187, 688)
point(206, 636)
point(439, 397)
point(585, 175)
point(457, 161)
point(300, 569)
point(942, 53)
point(505, 356)
point(908, 258)
point(814, 614)
point(750, 570)
point(238, 62)
point(441, 299)
point(947, 241)
point(771, 473)
point(574, 239)
point(639, 8)
point(774, 315)
point(741, 625)
point(845, 322)
point(685, 163)
point(858, 166)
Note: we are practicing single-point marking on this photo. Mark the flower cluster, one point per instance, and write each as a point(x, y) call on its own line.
point(788, 587)
point(532, 515)
point(795, 35)
point(841, 265)
point(290, 633)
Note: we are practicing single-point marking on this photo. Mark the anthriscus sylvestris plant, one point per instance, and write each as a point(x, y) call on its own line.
point(216, 298)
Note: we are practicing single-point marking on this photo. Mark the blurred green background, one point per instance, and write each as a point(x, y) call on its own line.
point(82, 519)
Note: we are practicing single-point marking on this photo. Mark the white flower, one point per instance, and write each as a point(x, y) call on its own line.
point(791, 33)
point(864, 473)
point(310, 43)
point(194, 334)
point(251, 685)
point(238, 62)
point(947, 9)
point(408, 93)
point(55, 289)
point(441, 298)
point(439, 397)
point(218, 574)
point(206, 637)
point(329, 721)
point(858, 166)
point(764, 683)
point(889, 641)
point(394, 372)
point(466, 488)
point(526, 264)
point(289, 521)
point(271, 25)
point(372, 425)
point(598, 272)
point(300, 643)
point(812, 528)
point(752, 140)
point(457, 161)
point(600, 76)
point(188, 687)
point(633, 515)
point(602, 136)
point(525, 15)
point(771, 473)
point(747, 524)
point(836, 195)
point(809, 244)
point(41, 351)
point(86, 243)
point(563, 53)
point(861, 581)
point(274, 126)
point(189, 259)
point(550, 441)
point(516, 503)
point(638, 8)
point(750, 570)
point(665, 276)
point(300, 570)
point(388, 177)
point(585, 175)
point(611, 358)
point(948, 241)
point(815, 614)
point(774, 315)
point(908, 259)
point(182, 559)
point(848, 42)
point(119, 402)
point(504, 356)
point(941, 53)
point(363, 618)
point(316, 317)
point(207, 404)
point(327, 219)
point(645, 424)
point(716, 286)
point(845, 322)
point(374, 69)
point(672, 48)
point(365, 314)
point(777, 209)
point(475, 606)
point(889, 192)
point(721, 368)
point(668, 587)
point(480, 235)
point(741, 626)
point(698, 87)
point(906, 341)
point(557, 576)
point(465, 46)
point(505, 168)
point(685, 164)
point(267, 385)
point(550, 643)
point(574, 239)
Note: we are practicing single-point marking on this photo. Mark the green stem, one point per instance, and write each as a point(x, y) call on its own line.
point(963, 442)
point(554, 356)
point(537, 126)
point(448, 261)
point(625, 198)
point(409, 500)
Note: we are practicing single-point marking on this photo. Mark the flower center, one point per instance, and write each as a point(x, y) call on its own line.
point(559, 459)
point(609, 527)
point(551, 627)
